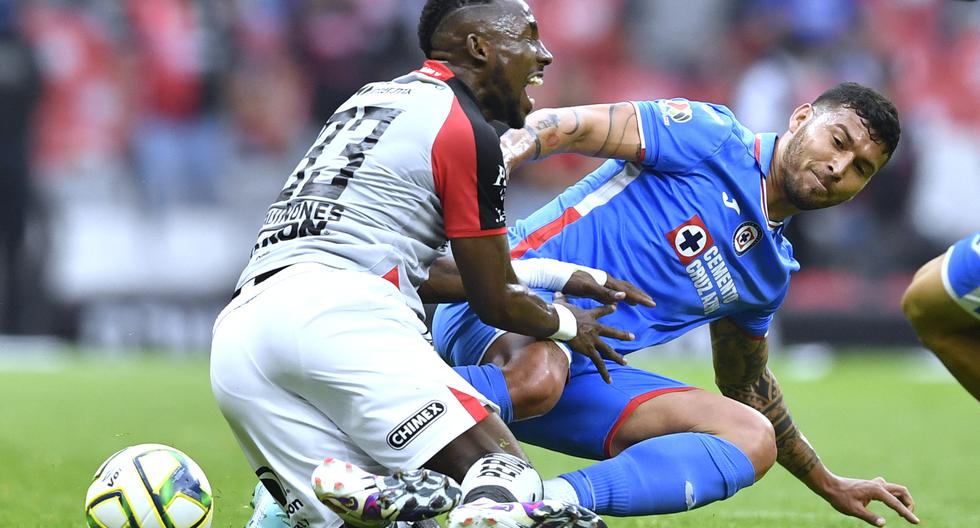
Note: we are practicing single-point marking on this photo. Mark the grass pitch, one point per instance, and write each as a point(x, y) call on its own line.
point(885, 414)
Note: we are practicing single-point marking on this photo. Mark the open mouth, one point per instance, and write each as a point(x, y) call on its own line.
point(535, 79)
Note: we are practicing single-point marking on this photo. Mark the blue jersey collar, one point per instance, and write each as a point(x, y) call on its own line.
point(765, 145)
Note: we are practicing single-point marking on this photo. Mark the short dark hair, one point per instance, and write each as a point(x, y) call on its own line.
point(875, 110)
point(433, 13)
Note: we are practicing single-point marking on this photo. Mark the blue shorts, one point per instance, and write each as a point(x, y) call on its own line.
point(961, 273)
point(589, 412)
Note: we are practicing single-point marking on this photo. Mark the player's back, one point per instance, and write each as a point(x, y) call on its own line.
point(688, 225)
point(369, 194)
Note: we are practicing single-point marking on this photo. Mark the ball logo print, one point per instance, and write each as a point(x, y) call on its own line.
point(690, 239)
point(149, 486)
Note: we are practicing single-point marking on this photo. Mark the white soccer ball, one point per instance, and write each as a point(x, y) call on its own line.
point(149, 486)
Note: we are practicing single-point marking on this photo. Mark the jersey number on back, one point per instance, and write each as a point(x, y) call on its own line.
point(343, 125)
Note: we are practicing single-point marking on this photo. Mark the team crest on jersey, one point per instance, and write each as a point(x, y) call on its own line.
point(746, 235)
point(690, 239)
point(676, 110)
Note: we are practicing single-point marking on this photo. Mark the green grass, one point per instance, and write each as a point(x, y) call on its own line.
point(872, 415)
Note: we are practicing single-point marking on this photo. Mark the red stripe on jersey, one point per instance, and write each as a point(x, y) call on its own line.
point(758, 148)
point(454, 170)
point(471, 404)
point(630, 408)
point(544, 233)
point(392, 276)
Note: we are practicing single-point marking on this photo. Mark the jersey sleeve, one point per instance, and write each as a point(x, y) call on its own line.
point(678, 134)
point(756, 322)
point(470, 180)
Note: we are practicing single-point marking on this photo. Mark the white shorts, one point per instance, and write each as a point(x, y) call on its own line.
point(316, 362)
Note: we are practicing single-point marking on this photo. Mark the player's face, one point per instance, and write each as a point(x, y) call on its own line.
point(829, 158)
point(519, 60)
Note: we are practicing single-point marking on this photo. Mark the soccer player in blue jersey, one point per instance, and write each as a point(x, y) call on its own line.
point(691, 208)
point(943, 305)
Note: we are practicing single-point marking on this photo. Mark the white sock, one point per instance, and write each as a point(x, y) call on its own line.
point(499, 476)
point(560, 489)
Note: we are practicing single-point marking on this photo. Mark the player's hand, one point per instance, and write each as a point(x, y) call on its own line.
point(582, 284)
point(852, 496)
point(588, 339)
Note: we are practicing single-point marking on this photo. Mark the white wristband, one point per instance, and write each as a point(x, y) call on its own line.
point(550, 274)
point(600, 277)
point(567, 325)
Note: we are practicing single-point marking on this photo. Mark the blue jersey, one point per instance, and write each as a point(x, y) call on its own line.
point(688, 225)
point(961, 273)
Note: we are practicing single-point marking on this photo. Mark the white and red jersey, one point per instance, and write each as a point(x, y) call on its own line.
point(401, 167)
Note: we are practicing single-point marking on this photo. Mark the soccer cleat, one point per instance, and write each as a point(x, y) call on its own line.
point(548, 513)
point(266, 511)
point(424, 523)
point(365, 500)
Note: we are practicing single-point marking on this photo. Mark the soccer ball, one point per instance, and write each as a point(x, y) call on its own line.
point(149, 486)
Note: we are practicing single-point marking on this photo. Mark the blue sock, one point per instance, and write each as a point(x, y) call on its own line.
point(489, 380)
point(667, 474)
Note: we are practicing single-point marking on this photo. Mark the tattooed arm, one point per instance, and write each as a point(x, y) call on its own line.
point(741, 374)
point(604, 131)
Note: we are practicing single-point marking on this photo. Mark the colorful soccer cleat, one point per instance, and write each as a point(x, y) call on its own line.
point(365, 500)
point(266, 511)
point(548, 513)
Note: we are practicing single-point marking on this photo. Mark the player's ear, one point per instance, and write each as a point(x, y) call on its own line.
point(478, 48)
point(800, 116)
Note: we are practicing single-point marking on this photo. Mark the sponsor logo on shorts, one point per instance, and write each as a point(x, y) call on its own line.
point(405, 432)
point(747, 235)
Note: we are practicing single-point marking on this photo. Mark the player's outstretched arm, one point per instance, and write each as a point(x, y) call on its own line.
point(500, 300)
point(741, 374)
point(943, 326)
point(445, 285)
point(603, 131)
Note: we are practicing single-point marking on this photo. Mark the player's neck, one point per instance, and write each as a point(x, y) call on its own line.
point(475, 83)
point(778, 205)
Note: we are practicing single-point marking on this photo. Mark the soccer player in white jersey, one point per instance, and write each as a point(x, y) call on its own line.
point(319, 363)
point(943, 305)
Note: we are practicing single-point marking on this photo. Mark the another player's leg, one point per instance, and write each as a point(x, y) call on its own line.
point(732, 445)
point(666, 447)
point(705, 448)
point(949, 328)
point(522, 375)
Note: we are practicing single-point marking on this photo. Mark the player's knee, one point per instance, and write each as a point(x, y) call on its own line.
point(913, 308)
point(764, 441)
point(535, 387)
point(756, 438)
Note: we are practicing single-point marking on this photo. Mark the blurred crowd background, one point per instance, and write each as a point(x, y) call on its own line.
point(141, 140)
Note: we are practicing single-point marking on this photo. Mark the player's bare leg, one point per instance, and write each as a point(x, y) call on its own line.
point(535, 370)
point(943, 326)
point(700, 411)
